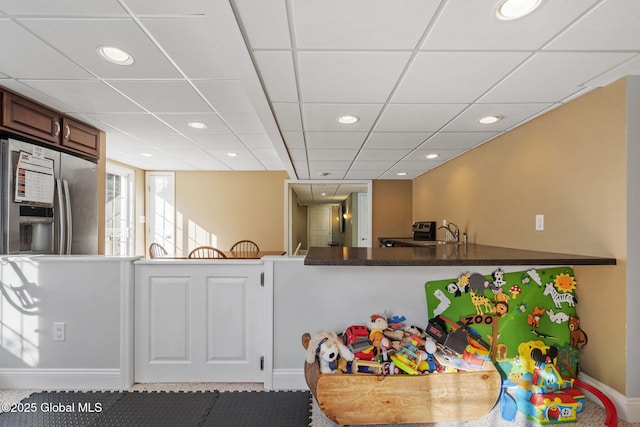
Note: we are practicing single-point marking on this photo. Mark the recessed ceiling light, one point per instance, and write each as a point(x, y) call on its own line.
point(514, 9)
point(401, 174)
point(432, 156)
point(232, 154)
point(197, 125)
point(115, 55)
point(323, 194)
point(489, 120)
point(146, 154)
point(348, 120)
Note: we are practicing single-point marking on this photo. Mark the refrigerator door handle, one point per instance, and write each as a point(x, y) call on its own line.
point(68, 218)
point(62, 232)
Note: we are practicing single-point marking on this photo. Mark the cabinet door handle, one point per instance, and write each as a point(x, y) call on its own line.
point(67, 131)
point(56, 127)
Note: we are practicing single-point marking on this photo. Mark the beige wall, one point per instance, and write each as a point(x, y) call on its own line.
point(102, 177)
point(221, 208)
point(392, 209)
point(569, 165)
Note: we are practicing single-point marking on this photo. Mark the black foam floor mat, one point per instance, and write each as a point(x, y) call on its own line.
point(262, 409)
point(159, 409)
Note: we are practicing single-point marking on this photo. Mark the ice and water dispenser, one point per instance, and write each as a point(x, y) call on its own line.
point(36, 229)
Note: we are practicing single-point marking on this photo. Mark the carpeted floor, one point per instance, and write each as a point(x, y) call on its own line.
point(594, 415)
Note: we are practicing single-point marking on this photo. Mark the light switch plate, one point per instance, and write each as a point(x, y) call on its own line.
point(539, 222)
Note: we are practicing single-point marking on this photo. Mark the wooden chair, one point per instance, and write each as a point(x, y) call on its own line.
point(156, 250)
point(245, 246)
point(206, 252)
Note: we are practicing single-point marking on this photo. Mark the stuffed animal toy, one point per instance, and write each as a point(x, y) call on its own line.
point(328, 347)
point(377, 325)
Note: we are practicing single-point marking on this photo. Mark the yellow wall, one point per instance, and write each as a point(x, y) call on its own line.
point(391, 206)
point(102, 177)
point(570, 165)
point(220, 208)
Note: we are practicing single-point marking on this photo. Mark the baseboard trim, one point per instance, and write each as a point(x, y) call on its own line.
point(289, 379)
point(628, 408)
point(62, 379)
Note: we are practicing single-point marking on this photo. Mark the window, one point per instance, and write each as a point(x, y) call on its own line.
point(119, 204)
point(161, 212)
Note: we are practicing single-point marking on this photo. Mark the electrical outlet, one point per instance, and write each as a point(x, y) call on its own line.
point(59, 331)
point(539, 222)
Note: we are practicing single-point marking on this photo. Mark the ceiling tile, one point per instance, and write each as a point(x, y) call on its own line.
point(123, 33)
point(294, 139)
point(364, 174)
point(166, 7)
point(418, 156)
point(26, 56)
point(133, 123)
point(226, 96)
point(456, 140)
point(265, 23)
point(446, 77)
point(335, 140)
point(62, 8)
point(199, 159)
point(288, 116)
point(33, 93)
point(163, 96)
point(396, 140)
point(222, 142)
point(180, 122)
point(256, 141)
point(587, 33)
point(417, 117)
point(384, 155)
point(361, 24)
point(166, 140)
point(198, 37)
point(482, 30)
point(298, 155)
point(323, 155)
point(268, 158)
point(85, 96)
point(511, 114)
point(555, 75)
point(244, 122)
point(324, 117)
point(355, 77)
point(278, 75)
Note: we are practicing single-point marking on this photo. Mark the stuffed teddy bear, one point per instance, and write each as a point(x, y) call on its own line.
point(328, 347)
point(377, 325)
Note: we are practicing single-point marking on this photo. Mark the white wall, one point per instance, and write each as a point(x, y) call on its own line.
point(89, 295)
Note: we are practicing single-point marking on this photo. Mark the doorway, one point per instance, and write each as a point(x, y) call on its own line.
point(301, 196)
point(119, 203)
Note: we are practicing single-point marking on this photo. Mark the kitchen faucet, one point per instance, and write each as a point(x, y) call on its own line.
point(455, 233)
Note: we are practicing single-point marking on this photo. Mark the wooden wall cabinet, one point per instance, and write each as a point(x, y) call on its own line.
point(79, 137)
point(28, 118)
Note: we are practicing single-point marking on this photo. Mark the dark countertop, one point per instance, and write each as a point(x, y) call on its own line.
point(445, 255)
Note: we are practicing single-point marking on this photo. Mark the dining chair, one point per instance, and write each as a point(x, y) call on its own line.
point(245, 246)
point(205, 252)
point(156, 250)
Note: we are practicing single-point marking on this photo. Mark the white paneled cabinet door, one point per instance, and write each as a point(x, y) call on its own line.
point(199, 323)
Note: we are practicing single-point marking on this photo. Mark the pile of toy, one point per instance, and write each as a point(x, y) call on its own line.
point(385, 345)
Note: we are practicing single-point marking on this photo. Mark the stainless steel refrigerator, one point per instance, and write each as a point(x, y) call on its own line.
point(58, 212)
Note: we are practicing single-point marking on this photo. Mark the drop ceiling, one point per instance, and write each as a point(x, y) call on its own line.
point(271, 77)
